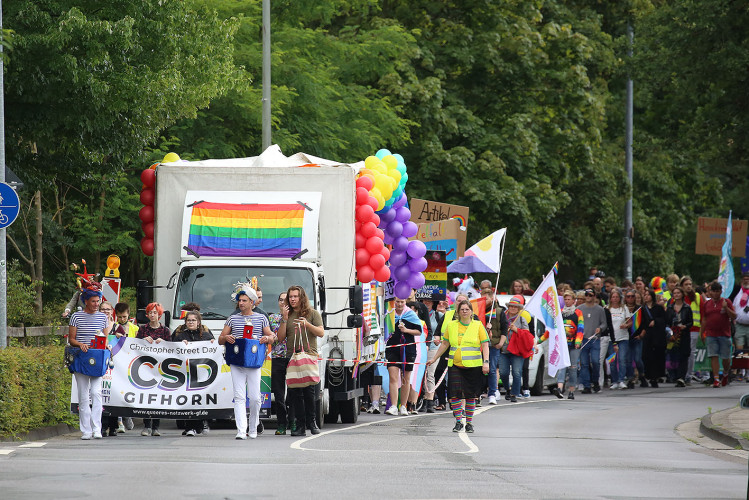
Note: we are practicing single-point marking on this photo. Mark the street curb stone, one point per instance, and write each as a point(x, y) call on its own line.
point(717, 433)
point(40, 433)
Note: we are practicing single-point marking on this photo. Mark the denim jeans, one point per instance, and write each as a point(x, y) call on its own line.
point(493, 365)
point(589, 359)
point(507, 360)
point(624, 362)
point(570, 370)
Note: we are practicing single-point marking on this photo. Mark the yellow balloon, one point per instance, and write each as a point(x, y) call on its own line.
point(170, 158)
point(395, 175)
point(381, 168)
point(375, 193)
point(390, 160)
point(371, 161)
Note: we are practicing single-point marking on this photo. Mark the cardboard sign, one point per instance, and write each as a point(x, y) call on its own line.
point(435, 286)
point(711, 234)
point(443, 235)
point(425, 211)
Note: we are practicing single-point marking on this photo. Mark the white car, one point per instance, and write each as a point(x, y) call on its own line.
point(538, 369)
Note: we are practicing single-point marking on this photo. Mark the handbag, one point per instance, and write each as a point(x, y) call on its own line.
point(302, 368)
point(93, 362)
point(248, 353)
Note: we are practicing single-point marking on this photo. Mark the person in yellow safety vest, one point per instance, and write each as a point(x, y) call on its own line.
point(468, 363)
point(694, 300)
point(671, 281)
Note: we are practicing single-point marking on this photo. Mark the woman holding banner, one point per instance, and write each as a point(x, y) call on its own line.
point(468, 363)
point(84, 325)
point(246, 381)
point(193, 331)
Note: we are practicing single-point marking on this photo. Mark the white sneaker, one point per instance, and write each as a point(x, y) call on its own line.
point(191, 432)
point(129, 424)
point(86, 437)
point(403, 410)
point(97, 435)
point(492, 400)
point(155, 432)
point(146, 432)
point(253, 435)
point(526, 393)
point(393, 410)
point(622, 385)
point(120, 428)
point(241, 435)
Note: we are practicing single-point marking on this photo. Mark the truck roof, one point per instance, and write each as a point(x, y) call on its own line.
point(272, 158)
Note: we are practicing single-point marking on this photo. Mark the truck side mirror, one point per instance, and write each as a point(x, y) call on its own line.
point(142, 299)
point(356, 299)
point(354, 321)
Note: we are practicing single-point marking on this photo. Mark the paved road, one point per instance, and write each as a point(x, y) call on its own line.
point(614, 444)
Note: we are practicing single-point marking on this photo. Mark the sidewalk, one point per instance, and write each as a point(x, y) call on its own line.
point(730, 427)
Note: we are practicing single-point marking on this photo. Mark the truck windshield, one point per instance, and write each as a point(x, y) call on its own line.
point(211, 287)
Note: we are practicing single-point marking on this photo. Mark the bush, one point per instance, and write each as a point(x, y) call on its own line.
point(34, 389)
point(21, 295)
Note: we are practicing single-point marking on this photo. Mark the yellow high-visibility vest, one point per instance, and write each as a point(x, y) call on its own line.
point(470, 346)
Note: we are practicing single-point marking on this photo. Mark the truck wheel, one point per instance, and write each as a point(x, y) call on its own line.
point(538, 386)
point(332, 416)
point(349, 410)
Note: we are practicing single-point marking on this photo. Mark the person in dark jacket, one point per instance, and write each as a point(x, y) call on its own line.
point(496, 326)
point(679, 319)
point(654, 342)
point(193, 331)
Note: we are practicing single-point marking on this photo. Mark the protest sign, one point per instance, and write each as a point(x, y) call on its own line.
point(435, 286)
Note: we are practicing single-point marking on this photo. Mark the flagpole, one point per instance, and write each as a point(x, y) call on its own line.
point(499, 270)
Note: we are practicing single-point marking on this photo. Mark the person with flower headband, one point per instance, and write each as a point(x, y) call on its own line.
point(84, 325)
point(246, 381)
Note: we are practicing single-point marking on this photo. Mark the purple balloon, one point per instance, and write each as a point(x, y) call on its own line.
point(417, 265)
point(400, 244)
point(402, 215)
point(402, 273)
point(402, 290)
point(416, 281)
point(386, 217)
point(397, 259)
point(416, 249)
point(410, 229)
point(400, 202)
point(394, 229)
point(388, 240)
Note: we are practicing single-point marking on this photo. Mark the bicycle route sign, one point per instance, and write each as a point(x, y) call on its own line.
point(9, 205)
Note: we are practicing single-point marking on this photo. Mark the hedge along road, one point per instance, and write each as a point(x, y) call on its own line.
point(617, 443)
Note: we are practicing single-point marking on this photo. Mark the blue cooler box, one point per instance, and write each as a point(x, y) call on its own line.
point(93, 362)
point(248, 353)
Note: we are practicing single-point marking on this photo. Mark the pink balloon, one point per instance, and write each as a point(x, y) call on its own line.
point(372, 202)
point(365, 274)
point(382, 274)
point(362, 195)
point(368, 229)
point(380, 233)
point(362, 257)
point(360, 240)
point(376, 261)
point(385, 253)
point(364, 213)
point(376, 220)
point(373, 245)
point(366, 182)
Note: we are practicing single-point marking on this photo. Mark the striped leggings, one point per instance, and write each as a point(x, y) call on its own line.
point(459, 411)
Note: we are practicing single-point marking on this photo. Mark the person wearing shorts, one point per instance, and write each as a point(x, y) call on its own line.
point(717, 314)
point(400, 353)
point(741, 306)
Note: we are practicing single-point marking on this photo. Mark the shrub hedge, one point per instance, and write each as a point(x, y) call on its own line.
point(34, 389)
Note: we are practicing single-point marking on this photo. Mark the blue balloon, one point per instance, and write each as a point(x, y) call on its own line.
point(382, 153)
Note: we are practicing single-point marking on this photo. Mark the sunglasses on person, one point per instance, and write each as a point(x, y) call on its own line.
point(590, 293)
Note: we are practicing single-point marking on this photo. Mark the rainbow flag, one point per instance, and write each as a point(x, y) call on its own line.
point(246, 230)
point(555, 269)
point(636, 321)
point(611, 358)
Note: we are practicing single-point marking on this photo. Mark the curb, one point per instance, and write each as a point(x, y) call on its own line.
point(717, 433)
point(40, 433)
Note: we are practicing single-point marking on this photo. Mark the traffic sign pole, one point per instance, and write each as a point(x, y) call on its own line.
point(3, 263)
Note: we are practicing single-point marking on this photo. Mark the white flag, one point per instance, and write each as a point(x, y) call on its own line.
point(544, 305)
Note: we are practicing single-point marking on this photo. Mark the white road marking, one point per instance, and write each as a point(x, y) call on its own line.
point(32, 445)
point(6, 451)
point(472, 448)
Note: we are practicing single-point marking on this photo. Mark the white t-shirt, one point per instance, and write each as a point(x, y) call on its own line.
point(618, 316)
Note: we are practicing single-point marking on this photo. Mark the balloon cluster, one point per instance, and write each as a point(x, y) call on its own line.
point(389, 177)
point(371, 253)
point(147, 214)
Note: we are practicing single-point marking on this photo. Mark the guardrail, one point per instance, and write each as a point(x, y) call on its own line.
point(25, 333)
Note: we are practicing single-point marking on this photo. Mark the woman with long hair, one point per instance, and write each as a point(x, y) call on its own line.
point(193, 331)
point(300, 326)
point(468, 363)
point(654, 343)
point(679, 319)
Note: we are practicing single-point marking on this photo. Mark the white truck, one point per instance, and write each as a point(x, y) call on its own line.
point(300, 232)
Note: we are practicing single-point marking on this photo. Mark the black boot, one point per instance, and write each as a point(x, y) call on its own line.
point(299, 431)
point(643, 382)
point(430, 405)
point(313, 428)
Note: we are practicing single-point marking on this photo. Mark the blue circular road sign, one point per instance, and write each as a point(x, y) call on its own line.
point(9, 205)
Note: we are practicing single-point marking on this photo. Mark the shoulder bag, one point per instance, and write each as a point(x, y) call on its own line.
point(302, 370)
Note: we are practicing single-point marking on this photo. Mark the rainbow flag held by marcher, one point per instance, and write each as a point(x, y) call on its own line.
point(611, 358)
point(636, 321)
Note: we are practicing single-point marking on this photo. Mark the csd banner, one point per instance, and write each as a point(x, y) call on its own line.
point(168, 380)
